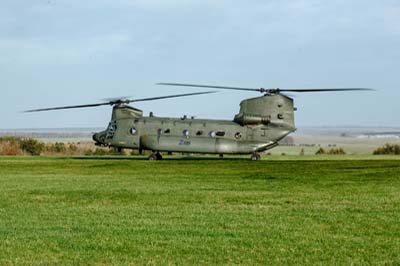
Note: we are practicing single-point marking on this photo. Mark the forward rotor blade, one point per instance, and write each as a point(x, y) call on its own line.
point(67, 107)
point(168, 96)
point(117, 101)
point(209, 86)
point(326, 90)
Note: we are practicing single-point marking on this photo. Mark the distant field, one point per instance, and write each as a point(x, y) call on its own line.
point(352, 145)
point(121, 211)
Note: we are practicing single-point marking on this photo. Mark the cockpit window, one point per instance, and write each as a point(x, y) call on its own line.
point(110, 132)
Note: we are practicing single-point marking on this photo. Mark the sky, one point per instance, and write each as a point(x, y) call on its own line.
point(66, 52)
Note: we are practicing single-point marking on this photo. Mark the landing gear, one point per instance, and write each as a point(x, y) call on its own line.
point(155, 156)
point(255, 156)
point(117, 151)
point(221, 156)
point(159, 156)
point(152, 157)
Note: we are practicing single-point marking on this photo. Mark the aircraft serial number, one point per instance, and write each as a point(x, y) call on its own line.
point(184, 142)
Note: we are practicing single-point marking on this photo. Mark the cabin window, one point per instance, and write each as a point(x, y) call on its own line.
point(220, 133)
point(167, 131)
point(238, 135)
point(199, 133)
point(280, 116)
point(133, 131)
point(212, 134)
point(186, 133)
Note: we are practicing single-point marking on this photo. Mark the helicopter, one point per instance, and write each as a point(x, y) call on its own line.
point(259, 126)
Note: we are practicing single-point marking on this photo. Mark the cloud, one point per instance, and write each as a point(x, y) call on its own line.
point(392, 18)
point(45, 51)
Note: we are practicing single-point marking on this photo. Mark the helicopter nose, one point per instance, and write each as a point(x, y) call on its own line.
point(95, 137)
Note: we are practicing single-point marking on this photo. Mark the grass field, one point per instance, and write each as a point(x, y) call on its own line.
point(121, 211)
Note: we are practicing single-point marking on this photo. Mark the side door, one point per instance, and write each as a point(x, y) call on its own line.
point(250, 133)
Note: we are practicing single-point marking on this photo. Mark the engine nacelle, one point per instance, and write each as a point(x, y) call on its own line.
point(244, 119)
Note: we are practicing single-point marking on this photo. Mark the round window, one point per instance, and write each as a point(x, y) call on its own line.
point(213, 134)
point(133, 131)
point(238, 135)
point(185, 133)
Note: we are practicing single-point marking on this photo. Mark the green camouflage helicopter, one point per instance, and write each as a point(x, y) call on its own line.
point(260, 124)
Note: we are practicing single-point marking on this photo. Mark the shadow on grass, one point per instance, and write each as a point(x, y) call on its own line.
point(144, 158)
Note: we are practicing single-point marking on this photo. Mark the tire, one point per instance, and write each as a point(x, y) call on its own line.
point(255, 157)
point(158, 156)
point(153, 157)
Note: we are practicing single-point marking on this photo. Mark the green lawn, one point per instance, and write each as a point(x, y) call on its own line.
point(121, 211)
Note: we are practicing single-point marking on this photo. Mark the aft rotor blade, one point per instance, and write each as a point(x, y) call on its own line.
point(325, 90)
point(262, 90)
point(210, 86)
point(67, 107)
point(168, 96)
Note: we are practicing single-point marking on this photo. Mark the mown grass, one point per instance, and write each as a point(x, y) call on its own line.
point(119, 211)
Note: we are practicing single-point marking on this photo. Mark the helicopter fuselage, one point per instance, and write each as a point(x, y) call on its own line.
point(190, 135)
point(260, 124)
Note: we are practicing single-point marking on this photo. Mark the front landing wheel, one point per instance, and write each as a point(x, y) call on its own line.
point(255, 156)
point(159, 156)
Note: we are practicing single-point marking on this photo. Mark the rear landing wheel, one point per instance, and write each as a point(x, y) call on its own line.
point(255, 156)
point(153, 157)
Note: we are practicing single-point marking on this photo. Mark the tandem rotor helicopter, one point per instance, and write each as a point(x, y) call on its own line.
point(260, 124)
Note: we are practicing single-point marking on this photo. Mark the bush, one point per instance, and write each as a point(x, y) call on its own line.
point(388, 149)
point(100, 152)
point(88, 152)
point(73, 148)
point(31, 146)
point(10, 146)
point(338, 151)
point(60, 147)
point(332, 151)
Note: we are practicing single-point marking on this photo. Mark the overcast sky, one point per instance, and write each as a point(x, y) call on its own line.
point(62, 52)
